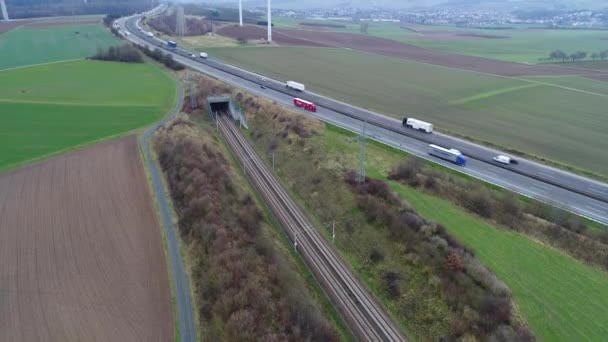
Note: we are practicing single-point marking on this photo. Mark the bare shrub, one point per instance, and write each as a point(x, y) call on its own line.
point(391, 284)
point(454, 263)
point(375, 255)
point(406, 170)
point(478, 201)
point(494, 312)
point(244, 292)
point(485, 277)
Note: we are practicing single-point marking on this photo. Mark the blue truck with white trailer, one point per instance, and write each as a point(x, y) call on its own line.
point(451, 155)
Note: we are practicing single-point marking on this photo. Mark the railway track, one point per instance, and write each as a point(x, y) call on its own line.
point(364, 316)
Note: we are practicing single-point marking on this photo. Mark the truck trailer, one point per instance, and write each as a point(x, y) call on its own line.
point(418, 125)
point(451, 155)
point(295, 86)
point(309, 106)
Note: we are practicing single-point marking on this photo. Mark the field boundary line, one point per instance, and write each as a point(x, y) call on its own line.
point(492, 93)
point(83, 104)
point(40, 64)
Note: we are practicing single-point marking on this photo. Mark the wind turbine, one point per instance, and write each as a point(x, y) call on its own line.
point(4, 11)
point(240, 12)
point(269, 23)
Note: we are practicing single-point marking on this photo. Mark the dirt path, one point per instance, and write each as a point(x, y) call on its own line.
point(81, 257)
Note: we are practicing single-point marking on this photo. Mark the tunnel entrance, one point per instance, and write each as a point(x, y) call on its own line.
point(219, 104)
point(223, 105)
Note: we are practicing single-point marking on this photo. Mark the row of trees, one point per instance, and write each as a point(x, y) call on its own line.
point(43, 8)
point(482, 301)
point(559, 55)
point(245, 289)
point(125, 53)
point(167, 25)
point(165, 58)
point(550, 225)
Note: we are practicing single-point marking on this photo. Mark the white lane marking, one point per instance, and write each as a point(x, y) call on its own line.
point(598, 190)
point(544, 187)
point(593, 213)
point(546, 174)
point(599, 206)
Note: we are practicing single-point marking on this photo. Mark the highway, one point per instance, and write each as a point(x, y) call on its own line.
point(580, 195)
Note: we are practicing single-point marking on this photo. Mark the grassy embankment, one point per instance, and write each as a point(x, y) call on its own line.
point(558, 296)
point(534, 116)
point(52, 108)
point(35, 45)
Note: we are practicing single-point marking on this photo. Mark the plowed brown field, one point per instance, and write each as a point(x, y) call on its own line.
point(397, 49)
point(9, 25)
point(251, 32)
point(81, 256)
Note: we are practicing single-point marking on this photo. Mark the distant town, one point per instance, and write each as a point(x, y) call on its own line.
point(468, 18)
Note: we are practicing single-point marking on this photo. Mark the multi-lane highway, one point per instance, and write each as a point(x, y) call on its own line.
point(568, 191)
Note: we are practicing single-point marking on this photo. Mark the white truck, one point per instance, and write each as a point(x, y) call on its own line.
point(295, 86)
point(418, 125)
point(505, 160)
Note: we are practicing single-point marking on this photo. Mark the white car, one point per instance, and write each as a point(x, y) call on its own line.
point(204, 55)
point(193, 55)
point(502, 159)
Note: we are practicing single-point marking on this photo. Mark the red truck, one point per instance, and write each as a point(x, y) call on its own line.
point(309, 106)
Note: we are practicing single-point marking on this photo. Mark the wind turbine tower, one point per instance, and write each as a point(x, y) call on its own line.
point(4, 12)
point(269, 23)
point(240, 12)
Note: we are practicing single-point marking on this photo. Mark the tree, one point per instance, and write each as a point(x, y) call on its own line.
point(595, 55)
point(603, 54)
point(581, 54)
point(578, 55)
point(364, 26)
point(557, 55)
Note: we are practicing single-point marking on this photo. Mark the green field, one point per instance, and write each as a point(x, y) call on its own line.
point(50, 108)
point(522, 45)
point(561, 298)
point(28, 45)
point(562, 119)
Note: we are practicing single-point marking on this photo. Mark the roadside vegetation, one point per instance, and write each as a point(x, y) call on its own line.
point(51, 108)
point(548, 287)
point(429, 282)
point(166, 23)
point(245, 287)
point(164, 58)
point(552, 226)
point(125, 53)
